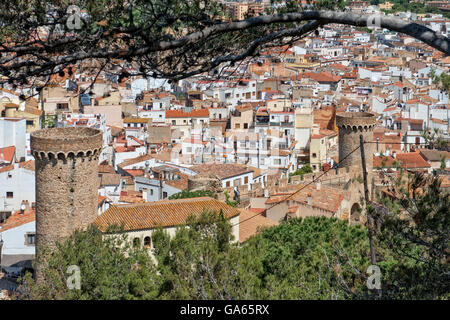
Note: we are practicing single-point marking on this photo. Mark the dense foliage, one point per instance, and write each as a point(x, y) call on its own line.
point(419, 7)
point(435, 139)
point(415, 229)
point(315, 258)
point(167, 39)
point(192, 194)
point(311, 258)
point(110, 268)
point(304, 169)
point(443, 81)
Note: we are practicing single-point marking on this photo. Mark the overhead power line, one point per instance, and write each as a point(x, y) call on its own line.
point(297, 191)
point(321, 175)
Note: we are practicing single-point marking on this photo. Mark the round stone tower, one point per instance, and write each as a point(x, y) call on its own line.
point(66, 162)
point(351, 125)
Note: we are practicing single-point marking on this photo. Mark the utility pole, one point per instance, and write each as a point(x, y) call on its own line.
point(373, 260)
point(371, 225)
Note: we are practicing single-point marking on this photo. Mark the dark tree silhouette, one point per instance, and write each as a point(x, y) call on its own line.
point(164, 39)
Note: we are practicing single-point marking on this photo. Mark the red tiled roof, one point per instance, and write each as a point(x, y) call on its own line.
point(412, 160)
point(222, 170)
point(327, 198)
point(7, 153)
point(101, 199)
point(378, 161)
point(135, 172)
point(165, 213)
point(180, 184)
point(322, 76)
point(132, 161)
point(198, 113)
point(17, 219)
point(257, 210)
point(251, 224)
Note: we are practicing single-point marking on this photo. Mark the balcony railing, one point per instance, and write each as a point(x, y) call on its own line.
point(282, 124)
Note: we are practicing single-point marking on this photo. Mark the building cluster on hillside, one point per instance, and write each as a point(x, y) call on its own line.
point(243, 136)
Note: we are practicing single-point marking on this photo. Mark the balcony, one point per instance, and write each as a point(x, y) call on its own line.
point(282, 124)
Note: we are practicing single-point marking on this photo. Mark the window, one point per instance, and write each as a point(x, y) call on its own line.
point(245, 125)
point(245, 180)
point(147, 242)
point(277, 161)
point(164, 195)
point(62, 106)
point(30, 123)
point(151, 192)
point(30, 239)
point(136, 242)
point(227, 184)
point(237, 126)
point(189, 150)
point(9, 194)
point(174, 122)
point(314, 155)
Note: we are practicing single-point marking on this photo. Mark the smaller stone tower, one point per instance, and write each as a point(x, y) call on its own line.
point(66, 162)
point(351, 125)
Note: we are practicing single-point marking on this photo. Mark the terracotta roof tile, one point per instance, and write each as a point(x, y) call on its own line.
point(7, 153)
point(165, 213)
point(222, 170)
point(250, 224)
point(17, 219)
point(199, 113)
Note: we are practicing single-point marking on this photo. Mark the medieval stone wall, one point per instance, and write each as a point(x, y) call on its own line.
point(351, 125)
point(66, 161)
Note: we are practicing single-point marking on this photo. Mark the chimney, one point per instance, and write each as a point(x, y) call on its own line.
point(266, 193)
point(318, 185)
point(309, 199)
point(394, 154)
point(26, 204)
point(22, 208)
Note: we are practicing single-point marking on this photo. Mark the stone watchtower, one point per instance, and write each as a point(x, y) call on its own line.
point(351, 125)
point(66, 162)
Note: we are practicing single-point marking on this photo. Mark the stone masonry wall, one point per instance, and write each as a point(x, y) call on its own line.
point(351, 125)
point(66, 161)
